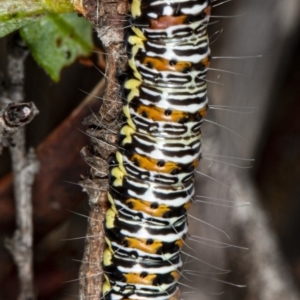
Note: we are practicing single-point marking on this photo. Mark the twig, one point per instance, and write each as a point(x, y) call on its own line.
point(107, 17)
point(57, 160)
point(20, 246)
point(13, 116)
point(24, 166)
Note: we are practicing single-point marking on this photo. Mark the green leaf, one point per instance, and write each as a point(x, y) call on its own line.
point(17, 13)
point(56, 41)
point(13, 24)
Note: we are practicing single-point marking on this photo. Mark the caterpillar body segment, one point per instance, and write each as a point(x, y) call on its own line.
point(151, 176)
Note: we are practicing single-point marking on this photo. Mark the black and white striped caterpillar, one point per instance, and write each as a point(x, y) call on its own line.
point(152, 174)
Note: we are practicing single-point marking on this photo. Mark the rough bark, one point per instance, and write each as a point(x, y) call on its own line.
point(108, 18)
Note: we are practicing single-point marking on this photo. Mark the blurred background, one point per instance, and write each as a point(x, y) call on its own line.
point(263, 91)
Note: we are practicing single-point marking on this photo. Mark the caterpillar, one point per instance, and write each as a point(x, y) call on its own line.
point(152, 174)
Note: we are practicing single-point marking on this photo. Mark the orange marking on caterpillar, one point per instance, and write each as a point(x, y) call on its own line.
point(166, 21)
point(203, 112)
point(152, 164)
point(180, 243)
point(161, 64)
point(206, 62)
point(159, 114)
point(143, 245)
point(196, 163)
point(176, 275)
point(187, 206)
point(145, 207)
point(138, 279)
point(176, 296)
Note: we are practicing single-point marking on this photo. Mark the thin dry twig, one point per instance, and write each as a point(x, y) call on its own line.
point(58, 164)
point(24, 166)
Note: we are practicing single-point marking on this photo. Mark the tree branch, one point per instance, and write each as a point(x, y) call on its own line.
point(24, 166)
point(108, 18)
